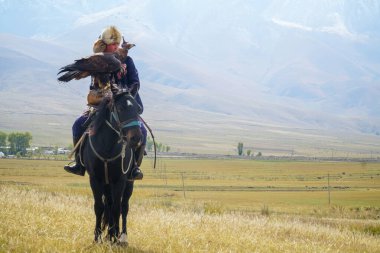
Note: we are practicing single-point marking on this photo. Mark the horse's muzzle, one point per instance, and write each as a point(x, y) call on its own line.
point(133, 138)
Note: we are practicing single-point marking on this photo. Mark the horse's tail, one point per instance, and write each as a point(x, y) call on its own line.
point(105, 220)
point(107, 208)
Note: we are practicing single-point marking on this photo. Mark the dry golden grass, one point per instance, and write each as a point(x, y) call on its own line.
point(44, 209)
point(38, 221)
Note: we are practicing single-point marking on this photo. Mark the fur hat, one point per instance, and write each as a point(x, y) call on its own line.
point(109, 35)
point(99, 46)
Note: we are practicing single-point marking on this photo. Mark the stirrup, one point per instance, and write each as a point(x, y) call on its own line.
point(137, 174)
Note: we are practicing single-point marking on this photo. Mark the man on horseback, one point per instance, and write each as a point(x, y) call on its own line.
point(109, 42)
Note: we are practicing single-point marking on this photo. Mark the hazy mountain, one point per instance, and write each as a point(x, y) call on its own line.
point(221, 71)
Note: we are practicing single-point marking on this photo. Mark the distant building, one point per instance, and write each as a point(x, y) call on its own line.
point(2, 155)
point(63, 151)
point(49, 152)
point(32, 149)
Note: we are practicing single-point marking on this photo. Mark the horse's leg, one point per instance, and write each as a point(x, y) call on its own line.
point(117, 190)
point(97, 191)
point(125, 204)
point(124, 210)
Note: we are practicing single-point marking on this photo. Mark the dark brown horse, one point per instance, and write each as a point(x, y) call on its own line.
point(108, 155)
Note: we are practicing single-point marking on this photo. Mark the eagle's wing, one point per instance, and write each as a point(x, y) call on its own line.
point(93, 65)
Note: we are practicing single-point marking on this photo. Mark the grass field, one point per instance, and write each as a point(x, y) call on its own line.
point(199, 206)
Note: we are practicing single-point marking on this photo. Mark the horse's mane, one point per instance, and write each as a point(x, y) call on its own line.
point(101, 114)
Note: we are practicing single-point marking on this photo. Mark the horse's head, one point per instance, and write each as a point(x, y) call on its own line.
point(125, 111)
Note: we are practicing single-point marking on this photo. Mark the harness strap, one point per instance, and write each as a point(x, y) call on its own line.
point(105, 161)
point(122, 159)
point(110, 125)
point(99, 156)
point(130, 124)
point(106, 172)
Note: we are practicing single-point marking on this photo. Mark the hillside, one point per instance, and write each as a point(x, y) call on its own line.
point(274, 75)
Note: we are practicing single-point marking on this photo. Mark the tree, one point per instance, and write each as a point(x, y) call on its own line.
point(38, 152)
point(159, 146)
point(259, 154)
point(249, 152)
point(240, 148)
point(3, 141)
point(19, 142)
point(149, 144)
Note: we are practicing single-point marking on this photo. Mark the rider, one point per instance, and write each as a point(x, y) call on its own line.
point(109, 42)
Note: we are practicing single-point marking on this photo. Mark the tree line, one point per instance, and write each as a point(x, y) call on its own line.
point(240, 151)
point(15, 143)
point(160, 147)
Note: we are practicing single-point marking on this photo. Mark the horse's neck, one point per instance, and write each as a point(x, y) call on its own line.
point(106, 137)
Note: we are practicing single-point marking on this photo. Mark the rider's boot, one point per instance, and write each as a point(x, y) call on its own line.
point(76, 168)
point(136, 172)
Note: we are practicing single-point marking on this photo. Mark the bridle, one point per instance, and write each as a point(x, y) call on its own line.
point(114, 117)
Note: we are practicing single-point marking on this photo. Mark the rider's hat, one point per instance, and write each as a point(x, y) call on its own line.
point(109, 35)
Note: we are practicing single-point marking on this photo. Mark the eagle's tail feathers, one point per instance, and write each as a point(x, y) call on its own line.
point(70, 75)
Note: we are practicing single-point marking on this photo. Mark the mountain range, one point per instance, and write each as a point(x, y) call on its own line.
point(280, 76)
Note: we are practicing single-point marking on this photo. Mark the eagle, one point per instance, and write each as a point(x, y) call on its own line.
point(100, 66)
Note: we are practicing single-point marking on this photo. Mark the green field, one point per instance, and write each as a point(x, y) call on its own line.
point(289, 197)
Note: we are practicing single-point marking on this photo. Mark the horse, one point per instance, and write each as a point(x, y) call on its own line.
point(108, 156)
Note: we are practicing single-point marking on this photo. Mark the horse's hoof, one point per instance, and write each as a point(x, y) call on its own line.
point(123, 240)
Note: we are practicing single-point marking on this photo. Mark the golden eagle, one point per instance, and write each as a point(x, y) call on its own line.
point(100, 66)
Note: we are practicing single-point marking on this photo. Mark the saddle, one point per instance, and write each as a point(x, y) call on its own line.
point(96, 94)
point(95, 97)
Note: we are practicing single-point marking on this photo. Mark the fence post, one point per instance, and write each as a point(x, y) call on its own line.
point(183, 186)
point(328, 186)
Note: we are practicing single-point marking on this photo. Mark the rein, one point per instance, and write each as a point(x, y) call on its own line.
point(154, 142)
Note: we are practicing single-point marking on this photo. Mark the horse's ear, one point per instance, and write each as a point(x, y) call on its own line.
point(138, 107)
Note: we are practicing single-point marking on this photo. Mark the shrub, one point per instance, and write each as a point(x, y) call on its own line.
point(265, 210)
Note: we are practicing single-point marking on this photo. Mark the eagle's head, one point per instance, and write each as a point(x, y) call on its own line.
point(122, 53)
point(126, 45)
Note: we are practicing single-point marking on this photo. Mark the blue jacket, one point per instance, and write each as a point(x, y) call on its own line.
point(131, 80)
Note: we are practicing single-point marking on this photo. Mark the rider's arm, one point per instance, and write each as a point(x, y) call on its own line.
point(133, 80)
